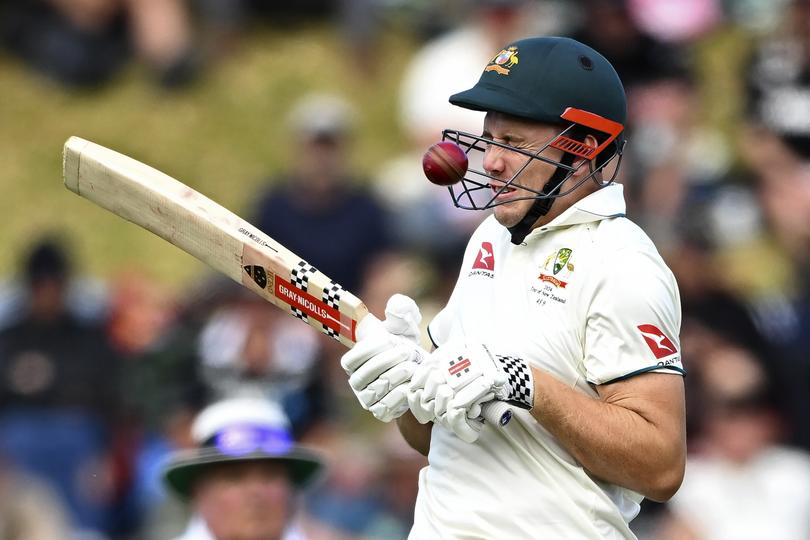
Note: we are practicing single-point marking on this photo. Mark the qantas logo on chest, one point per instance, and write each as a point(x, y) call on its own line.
point(485, 259)
point(660, 345)
point(484, 263)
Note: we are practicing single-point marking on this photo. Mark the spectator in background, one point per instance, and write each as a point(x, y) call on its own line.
point(140, 310)
point(225, 343)
point(685, 21)
point(639, 58)
point(443, 66)
point(171, 389)
point(779, 79)
point(679, 162)
point(782, 293)
point(50, 357)
point(740, 483)
point(59, 393)
point(318, 209)
point(83, 43)
point(243, 476)
point(249, 347)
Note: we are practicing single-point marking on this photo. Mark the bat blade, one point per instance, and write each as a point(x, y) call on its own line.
point(211, 233)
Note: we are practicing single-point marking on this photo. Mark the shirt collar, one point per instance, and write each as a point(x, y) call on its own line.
point(196, 530)
point(605, 203)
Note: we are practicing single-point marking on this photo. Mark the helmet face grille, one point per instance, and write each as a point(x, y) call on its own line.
point(478, 190)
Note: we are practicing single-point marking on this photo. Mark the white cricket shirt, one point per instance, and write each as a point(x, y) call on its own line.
point(586, 298)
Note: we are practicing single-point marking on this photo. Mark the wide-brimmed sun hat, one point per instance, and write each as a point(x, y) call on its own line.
point(238, 430)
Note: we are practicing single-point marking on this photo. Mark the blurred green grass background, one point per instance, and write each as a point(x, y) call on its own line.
point(222, 136)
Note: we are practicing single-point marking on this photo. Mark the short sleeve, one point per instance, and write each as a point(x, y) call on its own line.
point(633, 319)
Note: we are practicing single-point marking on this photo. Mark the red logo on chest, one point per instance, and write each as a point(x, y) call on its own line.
point(485, 259)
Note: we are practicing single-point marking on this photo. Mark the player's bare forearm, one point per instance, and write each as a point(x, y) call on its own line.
point(633, 435)
point(416, 435)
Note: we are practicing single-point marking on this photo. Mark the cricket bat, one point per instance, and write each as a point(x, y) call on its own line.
point(224, 241)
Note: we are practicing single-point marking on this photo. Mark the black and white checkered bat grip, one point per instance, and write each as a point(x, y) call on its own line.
point(519, 380)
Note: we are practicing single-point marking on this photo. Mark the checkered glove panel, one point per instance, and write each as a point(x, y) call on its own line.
point(459, 378)
point(519, 388)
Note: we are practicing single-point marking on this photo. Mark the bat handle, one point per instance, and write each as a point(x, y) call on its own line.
point(497, 413)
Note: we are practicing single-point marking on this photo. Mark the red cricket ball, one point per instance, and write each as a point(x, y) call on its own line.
point(444, 163)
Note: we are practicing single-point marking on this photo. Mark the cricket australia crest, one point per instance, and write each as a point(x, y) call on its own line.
point(504, 61)
point(560, 266)
point(561, 260)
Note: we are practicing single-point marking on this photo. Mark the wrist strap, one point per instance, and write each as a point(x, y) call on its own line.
point(521, 383)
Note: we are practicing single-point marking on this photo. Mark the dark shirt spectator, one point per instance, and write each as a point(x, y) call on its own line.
point(59, 394)
point(49, 357)
point(318, 209)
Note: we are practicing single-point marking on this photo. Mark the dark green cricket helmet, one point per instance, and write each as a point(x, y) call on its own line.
point(540, 78)
point(553, 80)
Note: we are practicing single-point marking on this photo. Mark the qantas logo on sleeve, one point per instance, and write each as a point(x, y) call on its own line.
point(660, 345)
point(485, 259)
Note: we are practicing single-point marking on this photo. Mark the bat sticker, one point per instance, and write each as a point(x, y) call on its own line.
point(256, 238)
point(310, 306)
point(257, 273)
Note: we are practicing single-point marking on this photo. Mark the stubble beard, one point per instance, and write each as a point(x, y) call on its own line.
point(512, 213)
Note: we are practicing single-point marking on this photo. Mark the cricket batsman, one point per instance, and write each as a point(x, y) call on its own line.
point(563, 308)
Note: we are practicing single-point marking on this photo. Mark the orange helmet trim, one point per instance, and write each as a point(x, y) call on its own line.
point(594, 121)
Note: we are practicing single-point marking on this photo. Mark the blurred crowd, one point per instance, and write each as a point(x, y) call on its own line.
point(101, 380)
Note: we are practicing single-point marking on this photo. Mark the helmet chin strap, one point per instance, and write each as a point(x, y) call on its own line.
point(540, 207)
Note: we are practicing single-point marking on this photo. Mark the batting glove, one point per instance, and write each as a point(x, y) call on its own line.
point(380, 365)
point(451, 386)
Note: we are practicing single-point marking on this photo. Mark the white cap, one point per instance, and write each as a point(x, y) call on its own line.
point(223, 414)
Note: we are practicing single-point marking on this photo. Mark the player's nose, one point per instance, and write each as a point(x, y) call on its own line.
point(494, 163)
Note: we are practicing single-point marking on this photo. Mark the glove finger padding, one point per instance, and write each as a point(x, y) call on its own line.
point(364, 350)
point(466, 429)
point(442, 396)
point(475, 409)
point(422, 391)
point(392, 405)
point(402, 317)
point(421, 406)
point(378, 364)
point(385, 383)
point(471, 394)
point(382, 362)
point(476, 392)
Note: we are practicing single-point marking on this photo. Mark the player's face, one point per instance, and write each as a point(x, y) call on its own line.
point(245, 501)
point(502, 163)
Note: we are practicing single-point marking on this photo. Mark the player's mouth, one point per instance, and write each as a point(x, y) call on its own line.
point(501, 191)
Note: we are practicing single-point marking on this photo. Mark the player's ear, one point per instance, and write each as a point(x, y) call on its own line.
point(591, 142)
